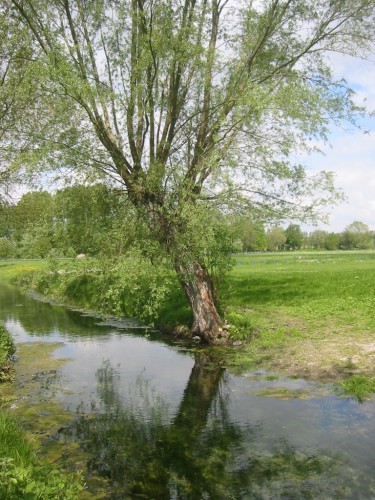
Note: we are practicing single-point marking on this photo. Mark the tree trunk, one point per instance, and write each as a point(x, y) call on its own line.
point(198, 288)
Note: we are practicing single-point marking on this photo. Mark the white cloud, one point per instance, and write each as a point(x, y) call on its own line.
point(351, 154)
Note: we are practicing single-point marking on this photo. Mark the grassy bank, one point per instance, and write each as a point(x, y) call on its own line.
point(22, 473)
point(7, 349)
point(309, 314)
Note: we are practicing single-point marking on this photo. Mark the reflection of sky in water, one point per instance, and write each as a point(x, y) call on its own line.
point(328, 423)
point(131, 357)
point(323, 422)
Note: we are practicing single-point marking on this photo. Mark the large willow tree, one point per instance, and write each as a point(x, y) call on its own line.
point(187, 103)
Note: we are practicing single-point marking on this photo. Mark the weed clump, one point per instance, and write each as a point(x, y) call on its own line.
point(7, 349)
point(22, 475)
point(359, 387)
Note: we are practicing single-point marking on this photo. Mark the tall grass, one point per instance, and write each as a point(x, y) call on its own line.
point(23, 475)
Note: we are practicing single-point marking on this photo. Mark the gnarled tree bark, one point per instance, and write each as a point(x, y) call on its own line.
point(198, 288)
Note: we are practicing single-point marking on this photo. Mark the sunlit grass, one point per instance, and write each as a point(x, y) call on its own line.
point(307, 313)
point(14, 270)
point(315, 287)
point(358, 386)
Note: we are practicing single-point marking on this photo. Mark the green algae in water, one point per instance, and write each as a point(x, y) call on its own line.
point(283, 393)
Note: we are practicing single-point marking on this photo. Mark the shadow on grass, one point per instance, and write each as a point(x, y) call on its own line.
point(277, 290)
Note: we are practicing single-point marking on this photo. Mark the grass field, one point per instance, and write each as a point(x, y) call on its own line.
point(15, 270)
point(309, 313)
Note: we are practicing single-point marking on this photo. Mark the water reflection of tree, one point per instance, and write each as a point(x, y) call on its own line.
point(41, 318)
point(198, 454)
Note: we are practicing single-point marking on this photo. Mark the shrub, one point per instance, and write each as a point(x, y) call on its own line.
point(131, 286)
point(7, 348)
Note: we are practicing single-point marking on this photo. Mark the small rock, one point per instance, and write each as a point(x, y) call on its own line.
point(13, 407)
point(237, 343)
point(196, 339)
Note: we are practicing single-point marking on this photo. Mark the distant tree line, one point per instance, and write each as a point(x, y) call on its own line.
point(74, 220)
point(253, 236)
point(95, 220)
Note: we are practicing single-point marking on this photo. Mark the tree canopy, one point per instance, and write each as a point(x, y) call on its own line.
point(187, 104)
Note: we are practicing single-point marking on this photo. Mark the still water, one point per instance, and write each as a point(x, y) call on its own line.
point(155, 419)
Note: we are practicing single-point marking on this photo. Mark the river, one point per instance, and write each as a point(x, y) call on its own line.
point(156, 419)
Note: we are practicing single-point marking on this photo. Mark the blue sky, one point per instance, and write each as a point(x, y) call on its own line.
point(351, 153)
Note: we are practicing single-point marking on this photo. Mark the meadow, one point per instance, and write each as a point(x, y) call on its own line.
point(307, 313)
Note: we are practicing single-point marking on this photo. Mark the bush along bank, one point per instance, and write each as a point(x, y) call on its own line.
point(22, 473)
point(133, 286)
point(7, 349)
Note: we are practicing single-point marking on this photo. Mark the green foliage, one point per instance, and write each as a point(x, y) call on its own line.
point(132, 286)
point(206, 236)
point(251, 235)
point(92, 220)
point(4, 220)
point(317, 239)
point(7, 348)
point(23, 475)
point(7, 249)
point(359, 387)
point(294, 237)
point(357, 236)
point(332, 241)
point(275, 239)
point(241, 325)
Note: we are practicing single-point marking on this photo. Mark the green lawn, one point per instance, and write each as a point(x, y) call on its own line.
point(18, 269)
point(315, 286)
point(309, 311)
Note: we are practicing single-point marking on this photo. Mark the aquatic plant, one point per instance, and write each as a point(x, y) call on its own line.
point(358, 386)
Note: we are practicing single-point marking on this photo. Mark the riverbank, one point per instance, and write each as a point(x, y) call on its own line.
point(312, 314)
point(23, 472)
point(301, 314)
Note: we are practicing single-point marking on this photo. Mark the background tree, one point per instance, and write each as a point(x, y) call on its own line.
point(175, 100)
point(32, 224)
point(357, 235)
point(294, 237)
point(275, 239)
point(7, 249)
point(332, 241)
point(5, 223)
point(251, 235)
point(84, 217)
point(317, 238)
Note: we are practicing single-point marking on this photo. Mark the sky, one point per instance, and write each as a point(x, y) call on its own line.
point(350, 153)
